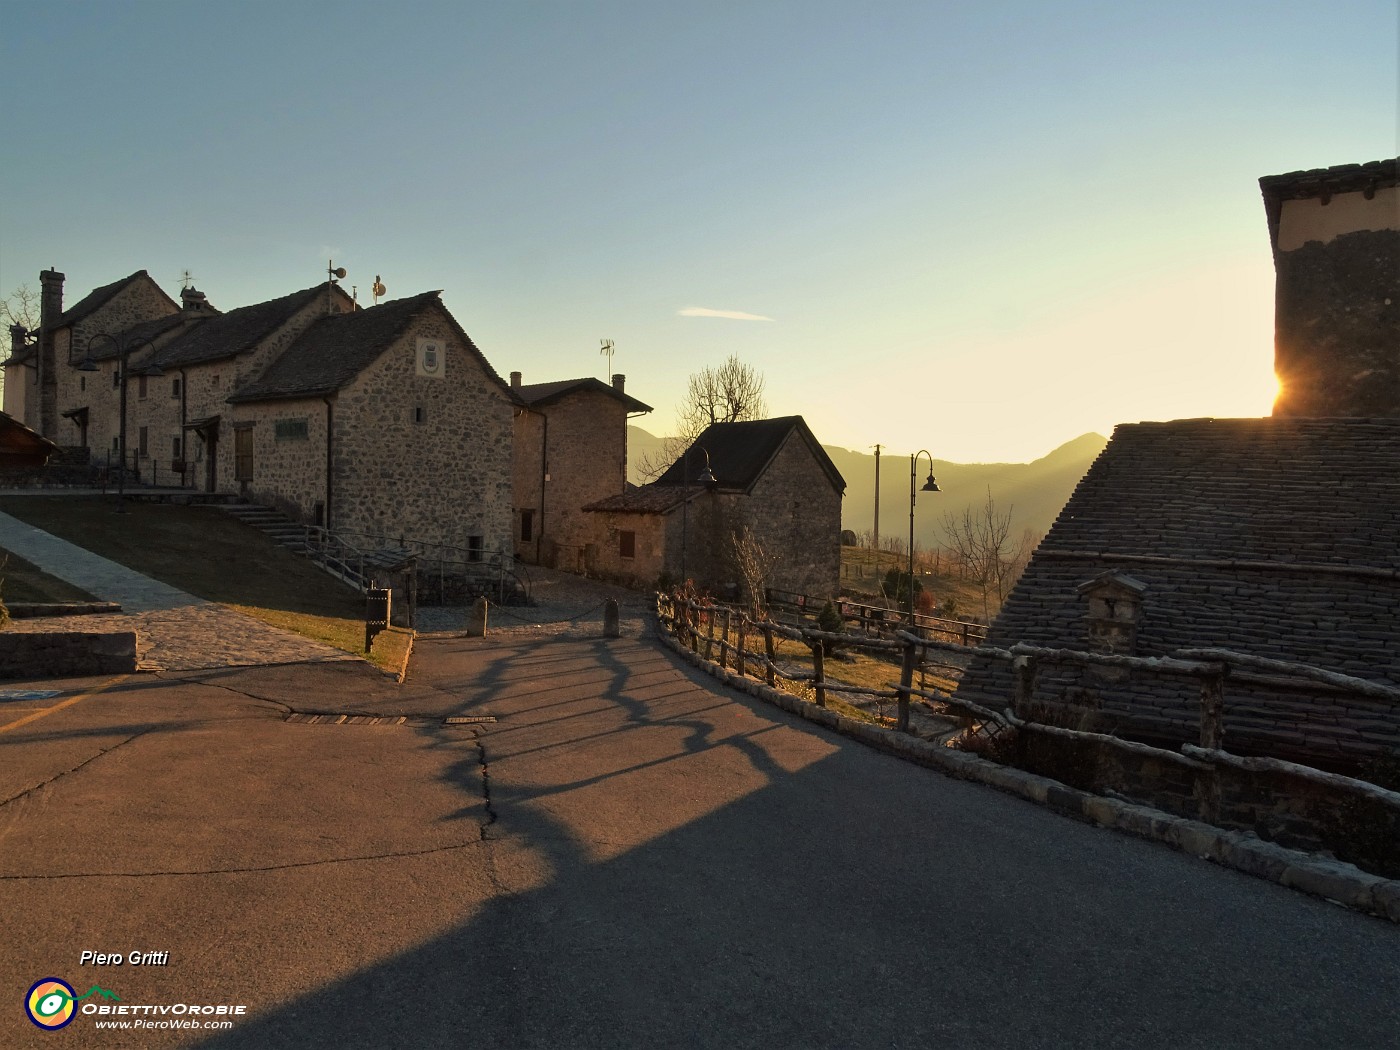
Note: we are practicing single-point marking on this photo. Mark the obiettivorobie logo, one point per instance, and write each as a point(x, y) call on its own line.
point(51, 1003)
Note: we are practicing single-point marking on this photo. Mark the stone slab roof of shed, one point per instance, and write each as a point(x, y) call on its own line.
point(337, 348)
point(229, 334)
point(738, 453)
point(537, 394)
point(13, 428)
point(1275, 537)
point(655, 498)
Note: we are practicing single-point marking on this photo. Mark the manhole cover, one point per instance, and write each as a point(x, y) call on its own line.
point(347, 720)
point(469, 720)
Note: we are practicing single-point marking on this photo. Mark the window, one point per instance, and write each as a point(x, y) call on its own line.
point(141, 388)
point(175, 448)
point(243, 454)
point(474, 548)
point(175, 387)
point(82, 382)
point(626, 544)
point(116, 378)
point(142, 444)
point(291, 430)
point(420, 414)
point(527, 526)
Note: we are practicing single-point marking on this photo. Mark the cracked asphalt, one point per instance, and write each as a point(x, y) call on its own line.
point(630, 856)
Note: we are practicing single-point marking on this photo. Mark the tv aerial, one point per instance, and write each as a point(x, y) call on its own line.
point(607, 352)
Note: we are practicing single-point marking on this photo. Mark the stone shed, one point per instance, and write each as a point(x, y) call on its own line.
point(772, 484)
point(1277, 538)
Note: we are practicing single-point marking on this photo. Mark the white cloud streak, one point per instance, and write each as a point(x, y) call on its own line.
point(732, 315)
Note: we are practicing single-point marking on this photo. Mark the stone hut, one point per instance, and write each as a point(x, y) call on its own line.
point(766, 482)
point(570, 450)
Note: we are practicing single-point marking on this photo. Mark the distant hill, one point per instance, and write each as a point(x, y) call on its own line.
point(1035, 492)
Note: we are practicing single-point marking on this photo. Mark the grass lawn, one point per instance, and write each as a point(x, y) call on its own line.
point(206, 552)
point(23, 581)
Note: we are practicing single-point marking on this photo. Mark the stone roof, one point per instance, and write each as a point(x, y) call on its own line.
point(538, 394)
point(1275, 537)
point(107, 349)
point(337, 348)
point(739, 453)
point(99, 296)
point(1320, 182)
point(227, 335)
point(15, 436)
point(647, 499)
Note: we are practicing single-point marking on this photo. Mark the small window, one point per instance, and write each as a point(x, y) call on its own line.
point(141, 388)
point(175, 387)
point(420, 414)
point(474, 548)
point(243, 454)
point(626, 544)
point(175, 448)
point(116, 378)
point(142, 442)
point(527, 526)
point(116, 446)
point(82, 382)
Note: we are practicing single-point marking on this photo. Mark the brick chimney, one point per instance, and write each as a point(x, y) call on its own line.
point(515, 380)
point(192, 300)
point(619, 381)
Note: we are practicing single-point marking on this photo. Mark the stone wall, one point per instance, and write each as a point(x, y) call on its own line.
point(289, 456)
point(66, 654)
point(795, 514)
point(1337, 326)
point(442, 480)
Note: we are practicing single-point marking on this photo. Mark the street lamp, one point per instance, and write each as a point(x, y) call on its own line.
point(929, 486)
point(706, 478)
point(124, 347)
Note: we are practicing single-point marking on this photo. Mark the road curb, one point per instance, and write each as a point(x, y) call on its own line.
point(1324, 877)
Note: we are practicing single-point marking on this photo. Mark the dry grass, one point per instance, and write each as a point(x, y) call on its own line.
point(206, 552)
point(23, 581)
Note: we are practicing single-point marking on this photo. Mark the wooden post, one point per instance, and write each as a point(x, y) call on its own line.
point(1023, 670)
point(724, 639)
point(906, 682)
point(694, 626)
point(819, 672)
point(770, 652)
point(709, 632)
point(743, 638)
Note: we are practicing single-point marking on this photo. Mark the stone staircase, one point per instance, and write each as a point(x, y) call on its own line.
point(271, 523)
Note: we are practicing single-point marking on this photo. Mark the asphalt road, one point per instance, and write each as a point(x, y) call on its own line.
point(625, 858)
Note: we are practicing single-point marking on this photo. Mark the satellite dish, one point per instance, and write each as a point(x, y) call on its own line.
point(339, 271)
point(378, 288)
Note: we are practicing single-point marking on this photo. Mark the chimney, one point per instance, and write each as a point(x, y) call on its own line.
point(515, 380)
point(19, 338)
point(619, 380)
point(46, 374)
point(192, 299)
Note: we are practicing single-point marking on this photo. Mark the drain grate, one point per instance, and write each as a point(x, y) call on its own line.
point(469, 720)
point(347, 720)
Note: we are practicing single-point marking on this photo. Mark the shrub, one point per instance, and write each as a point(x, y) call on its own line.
point(829, 620)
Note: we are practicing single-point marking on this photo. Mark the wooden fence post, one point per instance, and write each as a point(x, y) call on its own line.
point(906, 682)
point(743, 637)
point(770, 652)
point(694, 626)
point(819, 672)
point(709, 632)
point(724, 641)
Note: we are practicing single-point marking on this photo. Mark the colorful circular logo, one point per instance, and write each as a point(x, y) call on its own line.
point(50, 1003)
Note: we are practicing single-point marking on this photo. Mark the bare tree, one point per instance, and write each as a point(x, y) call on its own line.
point(753, 564)
point(20, 308)
point(728, 394)
point(980, 540)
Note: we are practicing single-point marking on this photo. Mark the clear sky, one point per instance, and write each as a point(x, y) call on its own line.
point(979, 229)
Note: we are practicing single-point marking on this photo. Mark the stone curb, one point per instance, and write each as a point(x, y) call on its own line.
point(29, 610)
point(402, 673)
point(1334, 880)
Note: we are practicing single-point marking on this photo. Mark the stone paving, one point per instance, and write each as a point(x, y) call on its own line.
point(175, 630)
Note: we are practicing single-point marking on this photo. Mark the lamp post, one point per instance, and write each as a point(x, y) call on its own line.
point(706, 478)
point(124, 347)
point(929, 486)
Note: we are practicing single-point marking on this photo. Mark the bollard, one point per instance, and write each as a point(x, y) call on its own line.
point(377, 606)
point(476, 620)
point(610, 619)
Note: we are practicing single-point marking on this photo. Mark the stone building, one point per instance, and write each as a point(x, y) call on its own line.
point(570, 450)
point(1335, 234)
point(1276, 538)
point(773, 487)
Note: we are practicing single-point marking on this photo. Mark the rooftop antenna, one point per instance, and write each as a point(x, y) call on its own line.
point(378, 290)
point(186, 280)
point(332, 273)
point(607, 351)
